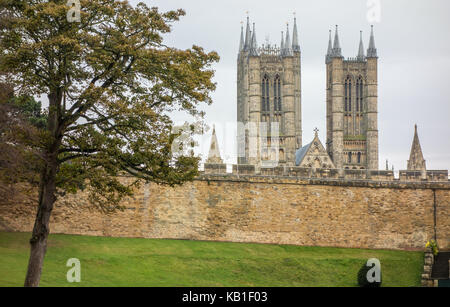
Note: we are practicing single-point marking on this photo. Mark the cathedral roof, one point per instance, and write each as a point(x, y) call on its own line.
point(301, 154)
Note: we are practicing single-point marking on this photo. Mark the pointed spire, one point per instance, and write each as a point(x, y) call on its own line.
point(282, 43)
point(337, 51)
point(254, 45)
point(372, 51)
point(330, 49)
point(241, 43)
point(416, 161)
point(214, 152)
point(287, 43)
point(295, 44)
point(247, 36)
point(361, 55)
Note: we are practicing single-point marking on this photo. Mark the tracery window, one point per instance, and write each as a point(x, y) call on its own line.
point(265, 101)
point(277, 93)
point(348, 94)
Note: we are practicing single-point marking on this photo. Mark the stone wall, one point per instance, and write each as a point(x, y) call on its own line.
point(311, 212)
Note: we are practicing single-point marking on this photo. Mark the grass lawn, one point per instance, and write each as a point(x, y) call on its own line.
point(144, 262)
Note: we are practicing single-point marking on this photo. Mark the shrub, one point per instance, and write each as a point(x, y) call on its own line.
point(434, 247)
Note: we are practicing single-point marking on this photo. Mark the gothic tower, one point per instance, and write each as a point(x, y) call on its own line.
point(268, 93)
point(352, 106)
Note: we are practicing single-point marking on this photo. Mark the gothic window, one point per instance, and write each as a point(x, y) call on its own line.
point(348, 94)
point(277, 93)
point(346, 102)
point(359, 158)
point(265, 102)
point(349, 157)
point(359, 95)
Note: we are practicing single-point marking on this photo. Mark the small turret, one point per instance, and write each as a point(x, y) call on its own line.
point(330, 49)
point(361, 56)
point(282, 43)
point(242, 42)
point(337, 51)
point(287, 46)
point(248, 37)
point(214, 152)
point(254, 45)
point(416, 161)
point(372, 51)
point(295, 44)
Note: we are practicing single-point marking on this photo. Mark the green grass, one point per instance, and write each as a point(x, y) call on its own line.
point(144, 262)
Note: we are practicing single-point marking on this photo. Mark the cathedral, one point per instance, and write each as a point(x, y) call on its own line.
point(269, 115)
point(269, 95)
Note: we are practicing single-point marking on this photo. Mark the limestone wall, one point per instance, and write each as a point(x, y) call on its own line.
point(263, 209)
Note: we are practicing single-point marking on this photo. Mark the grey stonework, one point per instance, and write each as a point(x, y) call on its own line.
point(273, 63)
point(352, 107)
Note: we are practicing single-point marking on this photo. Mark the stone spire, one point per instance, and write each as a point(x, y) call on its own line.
point(337, 51)
point(254, 45)
point(287, 43)
point(361, 55)
point(295, 44)
point(330, 48)
point(242, 42)
point(214, 152)
point(416, 161)
point(248, 37)
point(282, 43)
point(372, 51)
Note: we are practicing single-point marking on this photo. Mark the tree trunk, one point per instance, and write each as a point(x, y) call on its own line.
point(47, 198)
point(41, 228)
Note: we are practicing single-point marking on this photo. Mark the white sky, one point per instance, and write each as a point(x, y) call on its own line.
point(414, 64)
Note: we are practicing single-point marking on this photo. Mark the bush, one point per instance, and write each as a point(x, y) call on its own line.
point(362, 278)
point(434, 247)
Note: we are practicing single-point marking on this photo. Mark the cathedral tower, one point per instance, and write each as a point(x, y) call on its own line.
point(352, 106)
point(268, 92)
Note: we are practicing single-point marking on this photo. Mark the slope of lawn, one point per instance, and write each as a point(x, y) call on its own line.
point(144, 262)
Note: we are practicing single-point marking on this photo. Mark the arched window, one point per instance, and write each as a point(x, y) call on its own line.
point(348, 94)
point(349, 157)
point(359, 95)
point(359, 158)
point(277, 93)
point(265, 101)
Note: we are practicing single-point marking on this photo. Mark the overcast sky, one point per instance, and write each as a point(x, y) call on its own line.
point(414, 63)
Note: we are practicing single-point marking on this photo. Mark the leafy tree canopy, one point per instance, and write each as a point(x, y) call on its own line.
point(111, 84)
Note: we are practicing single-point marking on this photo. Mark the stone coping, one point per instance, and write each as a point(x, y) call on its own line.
point(397, 184)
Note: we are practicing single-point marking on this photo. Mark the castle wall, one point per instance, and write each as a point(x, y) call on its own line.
point(264, 209)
